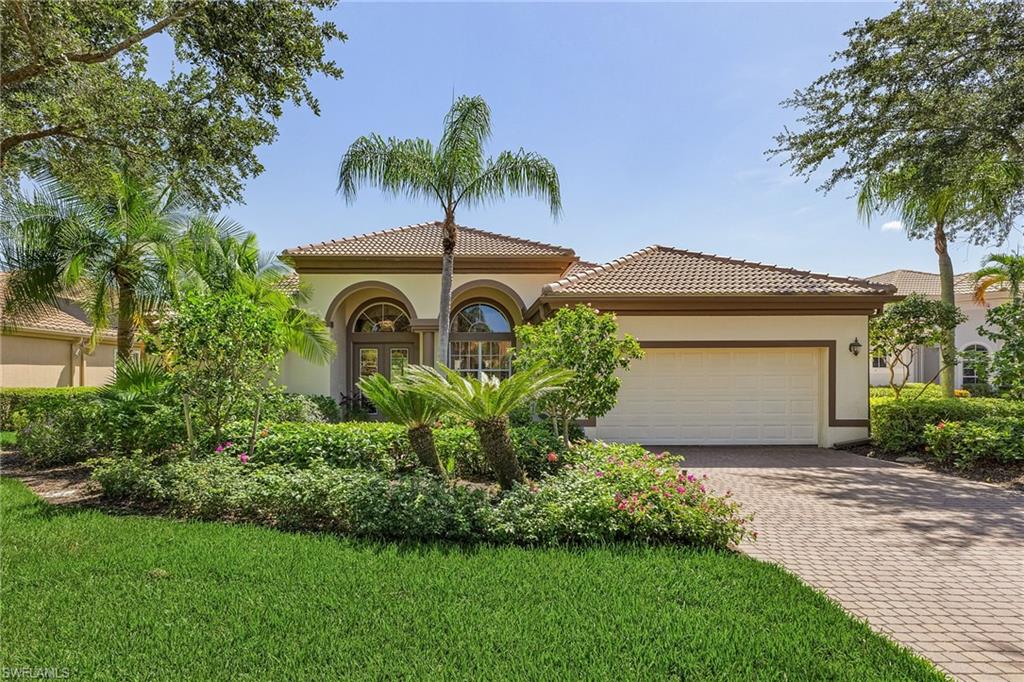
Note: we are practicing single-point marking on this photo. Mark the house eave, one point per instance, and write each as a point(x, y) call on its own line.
point(309, 264)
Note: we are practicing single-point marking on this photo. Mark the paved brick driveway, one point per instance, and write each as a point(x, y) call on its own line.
point(934, 561)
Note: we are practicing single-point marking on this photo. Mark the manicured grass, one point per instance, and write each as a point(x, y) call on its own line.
point(119, 597)
point(8, 438)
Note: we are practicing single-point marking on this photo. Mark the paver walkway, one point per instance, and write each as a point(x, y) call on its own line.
point(933, 561)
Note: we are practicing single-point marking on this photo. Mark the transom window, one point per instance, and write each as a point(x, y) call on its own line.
point(971, 375)
point(481, 341)
point(381, 317)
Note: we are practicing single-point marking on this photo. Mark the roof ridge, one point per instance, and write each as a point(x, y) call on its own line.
point(390, 230)
point(779, 268)
point(605, 267)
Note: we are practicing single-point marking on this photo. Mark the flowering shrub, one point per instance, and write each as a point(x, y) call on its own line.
point(899, 425)
point(607, 493)
point(965, 444)
point(619, 493)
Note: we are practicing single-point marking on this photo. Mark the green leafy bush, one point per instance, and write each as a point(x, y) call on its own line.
point(964, 444)
point(294, 407)
point(916, 391)
point(32, 400)
point(606, 493)
point(385, 447)
point(899, 425)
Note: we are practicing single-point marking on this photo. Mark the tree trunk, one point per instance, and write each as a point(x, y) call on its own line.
point(497, 447)
point(255, 425)
point(422, 439)
point(948, 350)
point(444, 316)
point(125, 322)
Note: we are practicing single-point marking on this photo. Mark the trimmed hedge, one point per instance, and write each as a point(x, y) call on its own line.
point(385, 447)
point(32, 400)
point(898, 426)
point(964, 444)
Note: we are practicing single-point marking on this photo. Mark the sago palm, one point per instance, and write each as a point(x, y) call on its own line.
point(487, 402)
point(1000, 269)
point(416, 411)
point(110, 251)
point(454, 173)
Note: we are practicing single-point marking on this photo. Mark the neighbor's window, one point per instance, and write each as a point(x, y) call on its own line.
point(971, 368)
point(481, 341)
point(879, 362)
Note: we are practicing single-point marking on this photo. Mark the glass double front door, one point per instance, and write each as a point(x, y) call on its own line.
point(389, 359)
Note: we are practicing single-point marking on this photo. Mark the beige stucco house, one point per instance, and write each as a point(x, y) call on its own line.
point(736, 352)
point(925, 363)
point(51, 348)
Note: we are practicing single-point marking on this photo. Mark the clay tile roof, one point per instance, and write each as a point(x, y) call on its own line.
point(664, 271)
point(424, 239)
point(67, 319)
point(924, 283)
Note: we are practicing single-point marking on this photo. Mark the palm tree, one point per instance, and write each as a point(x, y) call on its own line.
point(416, 411)
point(999, 269)
point(928, 202)
point(113, 251)
point(487, 402)
point(454, 174)
point(220, 255)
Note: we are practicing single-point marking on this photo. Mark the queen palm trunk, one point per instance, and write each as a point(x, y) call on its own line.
point(947, 296)
point(497, 447)
point(422, 440)
point(444, 321)
point(125, 322)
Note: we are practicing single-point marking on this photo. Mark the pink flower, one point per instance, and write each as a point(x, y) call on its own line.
point(243, 458)
point(681, 489)
point(703, 489)
point(219, 449)
point(941, 425)
point(552, 457)
point(599, 474)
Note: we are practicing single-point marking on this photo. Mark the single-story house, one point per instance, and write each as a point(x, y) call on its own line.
point(736, 352)
point(50, 348)
point(926, 361)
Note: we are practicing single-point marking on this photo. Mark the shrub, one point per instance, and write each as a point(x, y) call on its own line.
point(385, 447)
point(616, 493)
point(32, 400)
point(294, 407)
point(608, 493)
point(899, 425)
point(915, 391)
point(965, 444)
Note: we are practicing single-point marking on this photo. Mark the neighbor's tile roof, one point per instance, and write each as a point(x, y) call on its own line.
point(68, 318)
point(664, 271)
point(424, 239)
point(924, 283)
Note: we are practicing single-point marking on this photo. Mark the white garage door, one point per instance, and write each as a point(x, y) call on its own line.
point(718, 396)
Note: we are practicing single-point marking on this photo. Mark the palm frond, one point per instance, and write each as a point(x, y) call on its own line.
point(136, 378)
point(403, 167)
point(399, 404)
point(520, 173)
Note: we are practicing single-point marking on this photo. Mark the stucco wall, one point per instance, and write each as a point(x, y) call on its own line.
point(39, 362)
point(851, 371)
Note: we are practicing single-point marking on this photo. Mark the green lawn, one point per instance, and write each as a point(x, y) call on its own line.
point(120, 597)
point(8, 438)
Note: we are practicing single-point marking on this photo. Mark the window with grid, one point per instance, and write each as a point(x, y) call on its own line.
point(481, 341)
point(879, 362)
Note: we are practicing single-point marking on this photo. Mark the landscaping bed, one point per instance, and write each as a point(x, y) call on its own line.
point(109, 596)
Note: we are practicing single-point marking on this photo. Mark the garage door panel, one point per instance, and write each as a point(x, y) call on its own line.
point(717, 396)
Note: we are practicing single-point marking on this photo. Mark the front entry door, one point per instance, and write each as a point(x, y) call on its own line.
point(389, 359)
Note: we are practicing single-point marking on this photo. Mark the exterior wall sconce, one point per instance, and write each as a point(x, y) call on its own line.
point(855, 346)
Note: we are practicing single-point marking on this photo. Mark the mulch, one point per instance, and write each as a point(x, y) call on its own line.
point(1009, 476)
point(67, 484)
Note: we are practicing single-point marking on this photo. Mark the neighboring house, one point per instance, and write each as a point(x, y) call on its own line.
point(926, 362)
point(736, 352)
point(49, 348)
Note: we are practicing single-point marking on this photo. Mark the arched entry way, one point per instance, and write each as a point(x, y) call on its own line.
point(380, 341)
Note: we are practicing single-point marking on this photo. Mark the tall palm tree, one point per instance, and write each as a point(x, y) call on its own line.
point(999, 269)
point(487, 402)
point(928, 202)
point(218, 254)
point(454, 174)
point(112, 251)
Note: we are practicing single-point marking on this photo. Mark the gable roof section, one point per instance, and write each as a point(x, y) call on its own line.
point(924, 283)
point(424, 239)
point(668, 272)
point(67, 320)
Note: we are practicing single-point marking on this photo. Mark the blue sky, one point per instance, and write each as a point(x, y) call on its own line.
point(657, 117)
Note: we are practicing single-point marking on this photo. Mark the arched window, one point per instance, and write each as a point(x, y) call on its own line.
point(381, 317)
point(970, 374)
point(481, 340)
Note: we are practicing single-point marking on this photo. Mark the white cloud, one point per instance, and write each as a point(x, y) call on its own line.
point(893, 225)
